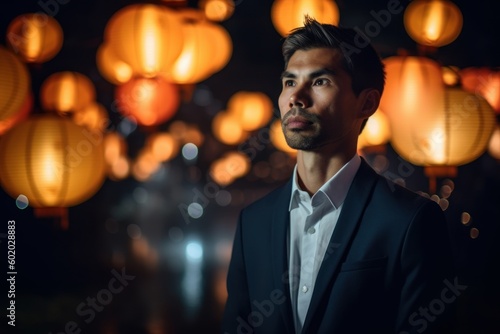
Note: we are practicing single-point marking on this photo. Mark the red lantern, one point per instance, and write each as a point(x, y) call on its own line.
point(148, 101)
point(483, 81)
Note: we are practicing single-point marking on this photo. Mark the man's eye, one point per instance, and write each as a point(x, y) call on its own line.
point(320, 82)
point(288, 83)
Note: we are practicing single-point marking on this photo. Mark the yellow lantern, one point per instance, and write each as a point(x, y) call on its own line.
point(23, 113)
point(227, 129)
point(414, 86)
point(376, 131)
point(147, 37)
point(148, 101)
point(51, 161)
point(14, 85)
point(111, 67)
point(433, 22)
point(483, 81)
point(217, 10)
point(207, 48)
point(253, 109)
point(66, 92)
point(36, 38)
point(278, 138)
point(289, 14)
point(456, 131)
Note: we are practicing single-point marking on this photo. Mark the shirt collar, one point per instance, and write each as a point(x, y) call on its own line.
point(335, 188)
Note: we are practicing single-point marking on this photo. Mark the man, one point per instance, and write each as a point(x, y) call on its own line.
point(338, 249)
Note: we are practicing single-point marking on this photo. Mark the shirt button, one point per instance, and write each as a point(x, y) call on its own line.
point(311, 230)
point(305, 289)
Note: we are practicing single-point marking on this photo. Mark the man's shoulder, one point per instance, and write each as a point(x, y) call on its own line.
point(279, 194)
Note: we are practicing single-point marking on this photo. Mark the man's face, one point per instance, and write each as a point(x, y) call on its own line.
point(317, 104)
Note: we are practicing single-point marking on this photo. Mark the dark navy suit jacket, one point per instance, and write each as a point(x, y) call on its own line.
point(387, 269)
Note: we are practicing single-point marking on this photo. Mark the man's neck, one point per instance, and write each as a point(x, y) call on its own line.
point(315, 169)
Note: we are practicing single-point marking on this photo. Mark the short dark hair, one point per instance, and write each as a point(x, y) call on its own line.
point(360, 59)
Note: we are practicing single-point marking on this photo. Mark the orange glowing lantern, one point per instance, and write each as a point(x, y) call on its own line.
point(207, 48)
point(36, 38)
point(23, 113)
point(376, 131)
point(66, 92)
point(278, 138)
point(456, 131)
point(289, 14)
point(433, 22)
point(231, 166)
point(94, 117)
point(115, 147)
point(253, 109)
point(14, 85)
point(483, 81)
point(414, 86)
point(111, 67)
point(217, 10)
point(147, 37)
point(227, 129)
point(51, 161)
point(148, 101)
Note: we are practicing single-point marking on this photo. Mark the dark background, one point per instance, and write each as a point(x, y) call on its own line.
point(59, 269)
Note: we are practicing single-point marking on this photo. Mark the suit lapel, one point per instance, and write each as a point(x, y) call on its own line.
point(349, 218)
point(281, 219)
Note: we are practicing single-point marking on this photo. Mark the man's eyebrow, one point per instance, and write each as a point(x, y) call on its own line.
point(312, 75)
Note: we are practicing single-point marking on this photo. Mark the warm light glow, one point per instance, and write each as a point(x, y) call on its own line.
point(163, 146)
point(217, 10)
point(15, 84)
point(51, 161)
point(36, 38)
point(454, 132)
point(94, 117)
point(148, 101)
point(111, 67)
point(66, 92)
point(253, 109)
point(120, 168)
point(206, 49)
point(146, 37)
point(376, 132)
point(451, 76)
point(227, 129)
point(289, 14)
point(114, 147)
point(483, 81)
point(494, 143)
point(433, 22)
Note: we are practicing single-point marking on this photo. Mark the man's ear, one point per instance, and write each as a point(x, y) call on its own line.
point(369, 101)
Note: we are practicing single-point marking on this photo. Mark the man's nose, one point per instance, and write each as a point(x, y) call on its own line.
point(299, 98)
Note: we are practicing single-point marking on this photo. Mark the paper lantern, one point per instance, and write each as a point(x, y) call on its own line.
point(206, 49)
point(52, 161)
point(414, 86)
point(148, 101)
point(147, 37)
point(14, 85)
point(36, 38)
point(93, 116)
point(289, 14)
point(228, 129)
point(483, 81)
point(66, 92)
point(433, 22)
point(454, 132)
point(217, 10)
point(111, 67)
point(253, 109)
point(23, 113)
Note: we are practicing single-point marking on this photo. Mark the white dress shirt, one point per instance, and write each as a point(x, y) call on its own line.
point(312, 221)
